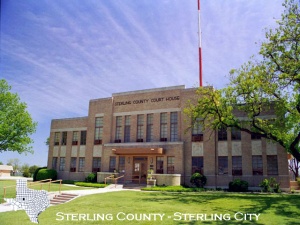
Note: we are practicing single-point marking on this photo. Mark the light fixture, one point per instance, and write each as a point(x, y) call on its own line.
point(113, 149)
point(152, 149)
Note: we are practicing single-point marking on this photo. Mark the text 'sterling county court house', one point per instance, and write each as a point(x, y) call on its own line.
point(133, 132)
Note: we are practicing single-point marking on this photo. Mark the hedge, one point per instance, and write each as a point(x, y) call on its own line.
point(36, 172)
point(44, 174)
point(86, 184)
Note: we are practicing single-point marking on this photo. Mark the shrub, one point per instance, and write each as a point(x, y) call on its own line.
point(198, 180)
point(298, 180)
point(36, 172)
point(173, 189)
point(238, 185)
point(270, 185)
point(26, 173)
point(44, 174)
point(68, 181)
point(86, 184)
point(92, 177)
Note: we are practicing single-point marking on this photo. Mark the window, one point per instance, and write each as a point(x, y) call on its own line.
point(98, 130)
point(62, 163)
point(197, 165)
point(127, 129)
point(272, 165)
point(81, 164)
point(170, 164)
point(235, 134)
point(257, 165)
point(96, 164)
point(56, 138)
point(73, 164)
point(159, 164)
point(64, 138)
point(140, 128)
point(118, 129)
point(149, 135)
point(237, 166)
point(83, 137)
point(163, 127)
point(222, 134)
point(75, 138)
point(197, 132)
point(255, 136)
point(223, 165)
point(174, 126)
point(112, 164)
point(54, 163)
point(122, 164)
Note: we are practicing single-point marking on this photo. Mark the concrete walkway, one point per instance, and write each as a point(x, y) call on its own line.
point(5, 207)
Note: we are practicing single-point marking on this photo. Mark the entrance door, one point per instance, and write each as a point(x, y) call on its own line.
point(139, 173)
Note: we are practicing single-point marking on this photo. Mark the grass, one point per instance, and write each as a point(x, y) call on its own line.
point(273, 208)
point(11, 192)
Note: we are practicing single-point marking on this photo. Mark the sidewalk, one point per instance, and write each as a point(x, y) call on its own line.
point(5, 207)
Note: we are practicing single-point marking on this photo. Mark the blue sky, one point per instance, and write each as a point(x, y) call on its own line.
point(59, 54)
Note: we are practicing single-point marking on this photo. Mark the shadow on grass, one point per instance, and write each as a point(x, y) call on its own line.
point(286, 206)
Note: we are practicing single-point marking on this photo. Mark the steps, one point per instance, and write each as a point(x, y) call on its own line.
point(62, 198)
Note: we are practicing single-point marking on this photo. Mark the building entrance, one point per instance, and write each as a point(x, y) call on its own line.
point(139, 170)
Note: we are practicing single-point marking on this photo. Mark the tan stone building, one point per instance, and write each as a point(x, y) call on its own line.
point(131, 133)
point(5, 170)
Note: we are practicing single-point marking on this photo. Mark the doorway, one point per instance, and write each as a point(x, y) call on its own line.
point(139, 170)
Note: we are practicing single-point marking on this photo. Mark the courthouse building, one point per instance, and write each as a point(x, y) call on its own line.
point(133, 132)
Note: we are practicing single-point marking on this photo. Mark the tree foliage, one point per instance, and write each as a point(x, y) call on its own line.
point(16, 124)
point(268, 85)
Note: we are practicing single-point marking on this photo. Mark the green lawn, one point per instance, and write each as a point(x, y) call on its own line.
point(122, 207)
point(11, 192)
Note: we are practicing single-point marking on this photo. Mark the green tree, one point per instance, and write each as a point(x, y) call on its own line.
point(1, 163)
point(15, 163)
point(47, 142)
point(16, 124)
point(32, 169)
point(269, 84)
point(25, 170)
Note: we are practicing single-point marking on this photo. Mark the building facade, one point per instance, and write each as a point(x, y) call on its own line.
point(132, 133)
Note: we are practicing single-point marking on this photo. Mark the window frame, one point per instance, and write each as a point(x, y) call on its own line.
point(62, 163)
point(197, 164)
point(118, 134)
point(237, 165)
point(272, 165)
point(64, 137)
point(160, 165)
point(222, 134)
point(98, 130)
point(174, 126)
point(149, 131)
point(83, 135)
point(73, 164)
point(170, 165)
point(96, 166)
point(163, 126)
point(257, 165)
point(127, 129)
point(223, 165)
point(81, 164)
point(140, 128)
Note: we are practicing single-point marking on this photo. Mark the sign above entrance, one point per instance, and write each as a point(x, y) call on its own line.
point(138, 151)
point(147, 100)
